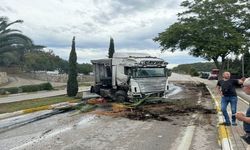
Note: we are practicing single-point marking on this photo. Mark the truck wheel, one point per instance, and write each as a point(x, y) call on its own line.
point(121, 96)
point(97, 89)
point(92, 89)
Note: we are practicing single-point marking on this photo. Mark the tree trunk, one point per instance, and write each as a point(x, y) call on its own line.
point(221, 66)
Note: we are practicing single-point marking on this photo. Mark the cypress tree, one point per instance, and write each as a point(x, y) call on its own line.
point(247, 65)
point(72, 84)
point(111, 48)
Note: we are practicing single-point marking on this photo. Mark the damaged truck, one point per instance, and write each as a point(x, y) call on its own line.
point(130, 75)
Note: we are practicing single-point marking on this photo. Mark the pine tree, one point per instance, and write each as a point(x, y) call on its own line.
point(72, 84)
point(111, 48)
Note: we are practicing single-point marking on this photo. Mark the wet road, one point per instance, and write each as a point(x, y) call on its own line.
point(70, 131)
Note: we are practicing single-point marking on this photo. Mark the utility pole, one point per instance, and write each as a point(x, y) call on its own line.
point(227, 64)
point(242, 67)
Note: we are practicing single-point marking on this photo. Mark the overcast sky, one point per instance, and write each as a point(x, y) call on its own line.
point(132, 24)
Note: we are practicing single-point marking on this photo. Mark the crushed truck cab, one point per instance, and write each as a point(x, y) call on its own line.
point(130, 75)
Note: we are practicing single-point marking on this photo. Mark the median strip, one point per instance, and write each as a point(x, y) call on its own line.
point(28, 106)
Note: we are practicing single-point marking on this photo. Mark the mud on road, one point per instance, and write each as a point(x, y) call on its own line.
point(194, 99)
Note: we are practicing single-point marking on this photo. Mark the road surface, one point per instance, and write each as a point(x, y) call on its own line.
point(71, 131)
point(35, 95)
point(16, 81)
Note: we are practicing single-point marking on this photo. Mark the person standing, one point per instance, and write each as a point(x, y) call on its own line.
point(245, 117)
point(226, 88)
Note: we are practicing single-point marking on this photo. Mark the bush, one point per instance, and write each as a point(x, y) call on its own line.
point(193, 72)
point(46, 86)
point(38, 87)
point(11, 90)
point(2, 91)
point(30, 88)
point(27, 88)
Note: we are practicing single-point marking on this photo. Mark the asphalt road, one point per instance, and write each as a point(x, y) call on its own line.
point(71, 131)
point(35, 95)
point(16, 81)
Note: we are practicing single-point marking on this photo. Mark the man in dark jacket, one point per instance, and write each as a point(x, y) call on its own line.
point(226, 88)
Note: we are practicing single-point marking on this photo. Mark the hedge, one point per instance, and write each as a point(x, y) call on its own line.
point(26, 88)
point(11, 90)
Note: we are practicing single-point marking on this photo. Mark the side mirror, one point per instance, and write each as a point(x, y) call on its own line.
point(168, 72)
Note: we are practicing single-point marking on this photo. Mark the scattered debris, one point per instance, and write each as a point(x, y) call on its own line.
point(96, 101)
point(162, 109)
point(119, 107)
point(87, 108)
point(184, 103)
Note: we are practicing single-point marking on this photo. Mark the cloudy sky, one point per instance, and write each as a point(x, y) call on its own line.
point(132, 23)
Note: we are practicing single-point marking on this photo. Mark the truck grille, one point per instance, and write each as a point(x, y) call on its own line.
point(148, 85)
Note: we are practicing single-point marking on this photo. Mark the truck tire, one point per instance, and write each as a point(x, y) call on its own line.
point(97, 89)
point(121, 96)
point(92, 89)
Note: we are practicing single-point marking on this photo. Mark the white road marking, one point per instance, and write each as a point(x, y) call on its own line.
point(187, 138)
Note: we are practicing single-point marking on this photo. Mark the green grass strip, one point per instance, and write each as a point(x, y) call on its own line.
point(21, 105)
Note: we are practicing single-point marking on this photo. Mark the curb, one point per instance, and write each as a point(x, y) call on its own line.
point(223, 132)
point(31, 110)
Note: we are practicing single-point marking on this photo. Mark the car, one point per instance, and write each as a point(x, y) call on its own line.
point(204, 75)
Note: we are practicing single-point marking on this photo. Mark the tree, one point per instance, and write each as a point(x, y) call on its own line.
point(210, 29)
point(247, 65)
point(13, 44)
point(8, 59)
point(46, 61)
point(111, 48)
point(200, 67)
point(85, 68)
point(12, 39)
point(72, 84)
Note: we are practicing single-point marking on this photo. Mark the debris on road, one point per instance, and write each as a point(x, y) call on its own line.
point(96, 101)
point(162, 109)
point(87, 108)
point(186, 103)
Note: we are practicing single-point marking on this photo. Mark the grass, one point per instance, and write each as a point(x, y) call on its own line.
point(16, 106)
point(86, 83)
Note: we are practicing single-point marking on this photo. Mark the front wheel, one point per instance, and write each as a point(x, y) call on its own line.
point(121, 96)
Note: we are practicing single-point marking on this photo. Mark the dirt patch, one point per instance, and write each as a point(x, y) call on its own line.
point(163, 112)
point(192, 100)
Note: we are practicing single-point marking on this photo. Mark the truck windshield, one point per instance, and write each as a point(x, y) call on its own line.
point(148, 72)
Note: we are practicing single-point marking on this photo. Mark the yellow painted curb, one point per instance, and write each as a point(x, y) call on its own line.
point(223, 132)
point(30, 110)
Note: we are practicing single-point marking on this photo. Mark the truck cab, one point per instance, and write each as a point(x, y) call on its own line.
point(130, 75)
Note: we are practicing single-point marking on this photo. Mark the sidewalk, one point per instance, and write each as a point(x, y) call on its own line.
point(41, 94)
point(229, 137)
